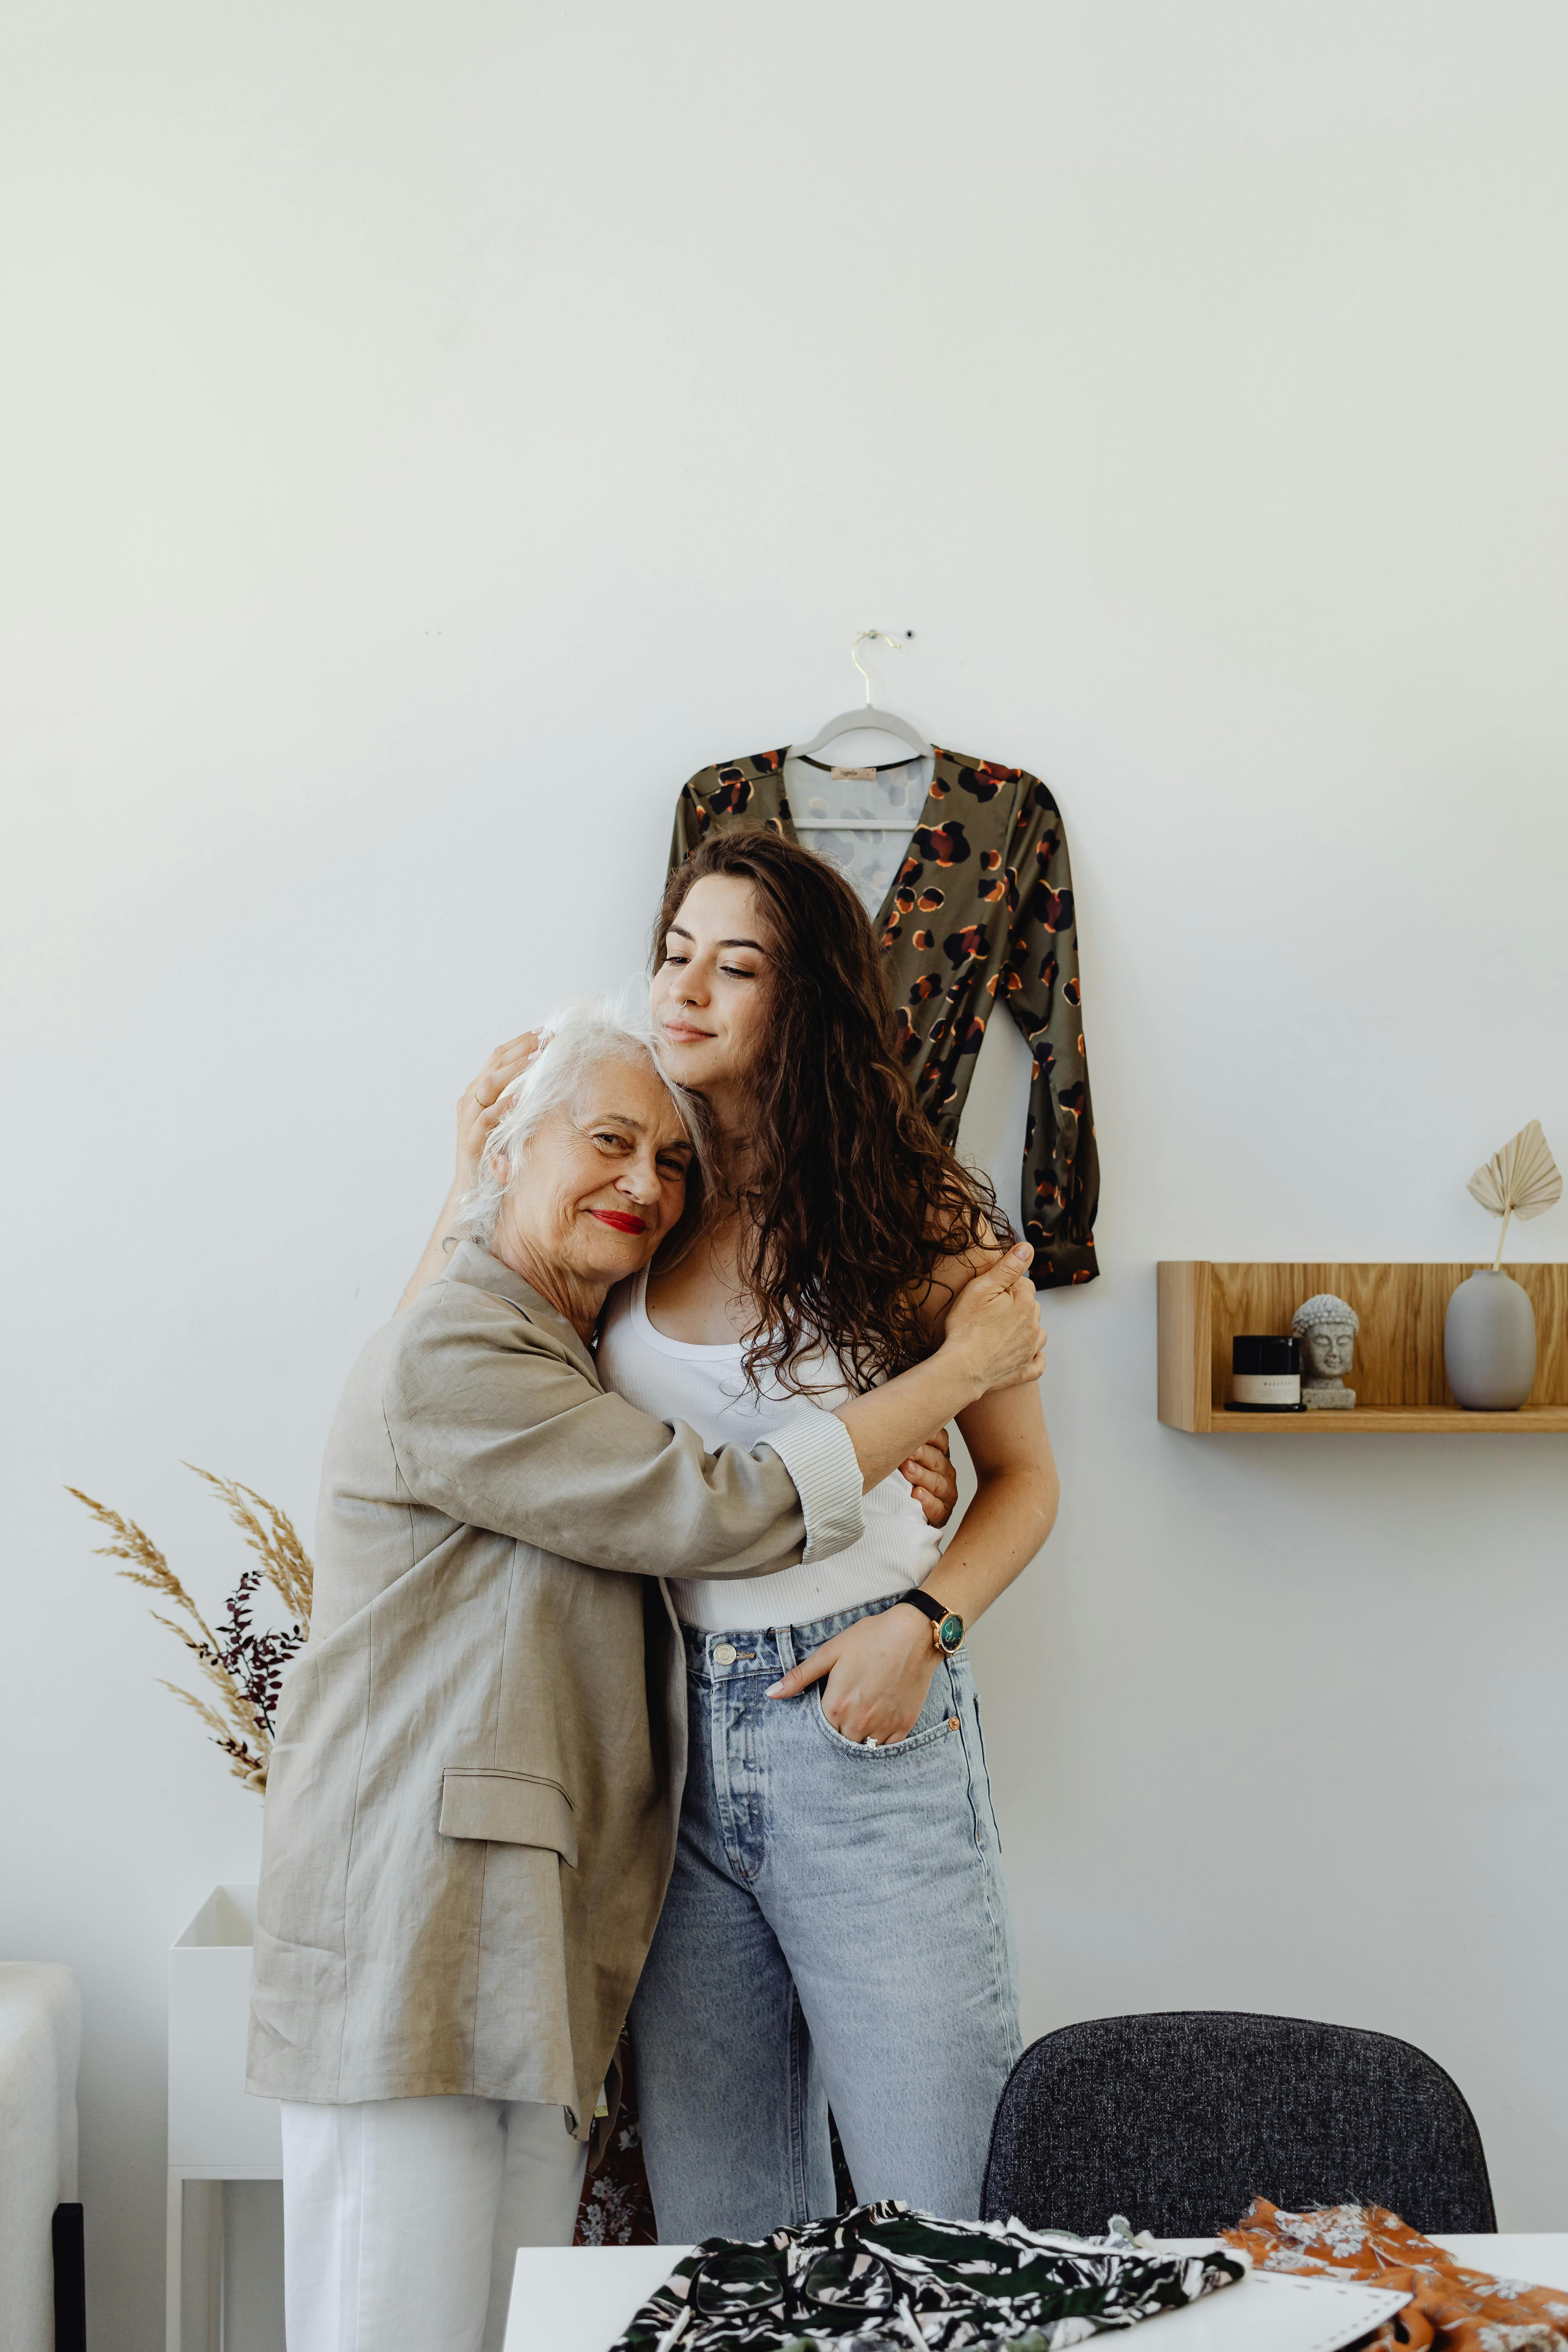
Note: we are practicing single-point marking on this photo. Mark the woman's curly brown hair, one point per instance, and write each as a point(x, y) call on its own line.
point(849, 1198)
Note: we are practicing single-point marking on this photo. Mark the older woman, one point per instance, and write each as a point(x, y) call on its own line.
point(475, 1785)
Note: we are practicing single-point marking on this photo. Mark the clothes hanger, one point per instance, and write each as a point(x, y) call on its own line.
point(870, 720)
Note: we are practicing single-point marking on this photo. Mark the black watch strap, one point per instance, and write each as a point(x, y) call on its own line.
point(947, 1625)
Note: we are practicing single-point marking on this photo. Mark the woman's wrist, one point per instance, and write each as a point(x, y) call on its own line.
point(959, 1358)
point(916, 1648)
point(917, 1627)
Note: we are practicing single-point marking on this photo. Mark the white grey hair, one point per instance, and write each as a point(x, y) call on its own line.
point(594, 1029)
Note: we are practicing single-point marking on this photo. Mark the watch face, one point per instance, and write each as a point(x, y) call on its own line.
point(950, 1633)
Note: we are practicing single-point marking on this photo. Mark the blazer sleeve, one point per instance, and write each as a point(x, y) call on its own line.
point(494, 1427)
point(1041, 982)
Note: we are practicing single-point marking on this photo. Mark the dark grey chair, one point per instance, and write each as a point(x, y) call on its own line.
point(1179, 2119)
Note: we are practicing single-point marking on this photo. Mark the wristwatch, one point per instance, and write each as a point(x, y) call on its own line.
point(946, 1624)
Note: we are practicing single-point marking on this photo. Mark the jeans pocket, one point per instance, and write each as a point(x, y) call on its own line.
point(922, 1736)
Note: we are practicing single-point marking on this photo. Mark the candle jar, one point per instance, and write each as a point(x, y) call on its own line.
point(1265, 1374)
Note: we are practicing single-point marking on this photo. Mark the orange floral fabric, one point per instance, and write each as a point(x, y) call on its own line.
point(1453, 2309)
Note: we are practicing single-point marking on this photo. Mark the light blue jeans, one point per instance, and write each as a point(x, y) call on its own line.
point(836, 1931)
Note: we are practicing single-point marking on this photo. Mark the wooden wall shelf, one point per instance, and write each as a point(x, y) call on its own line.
point(1398, 1376)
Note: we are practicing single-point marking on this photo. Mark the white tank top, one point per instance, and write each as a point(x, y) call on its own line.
point(675, 1379)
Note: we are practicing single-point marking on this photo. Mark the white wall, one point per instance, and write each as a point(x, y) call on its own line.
point(430, 433)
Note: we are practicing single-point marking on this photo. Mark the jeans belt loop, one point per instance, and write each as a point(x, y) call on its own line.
point(785, 1636)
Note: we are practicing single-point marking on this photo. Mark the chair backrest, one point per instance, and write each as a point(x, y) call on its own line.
point(1179, 2119)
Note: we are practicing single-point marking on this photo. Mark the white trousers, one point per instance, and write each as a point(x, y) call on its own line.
point(401, 2219)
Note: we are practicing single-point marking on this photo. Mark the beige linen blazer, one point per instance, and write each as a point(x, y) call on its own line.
point(474, 1786)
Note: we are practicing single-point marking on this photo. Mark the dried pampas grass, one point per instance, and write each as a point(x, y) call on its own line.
point(1519, 1180)
point(245, 1667)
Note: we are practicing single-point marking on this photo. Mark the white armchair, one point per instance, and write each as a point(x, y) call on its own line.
point(40, 2047)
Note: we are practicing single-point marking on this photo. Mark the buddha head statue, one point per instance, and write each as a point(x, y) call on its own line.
point(1327, 1328)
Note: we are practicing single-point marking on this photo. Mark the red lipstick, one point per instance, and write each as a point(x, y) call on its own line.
point(619, 1223)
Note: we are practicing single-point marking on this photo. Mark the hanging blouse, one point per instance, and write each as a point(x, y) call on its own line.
point(980, 911)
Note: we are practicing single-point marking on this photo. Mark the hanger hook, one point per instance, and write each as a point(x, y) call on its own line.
point(860, 666)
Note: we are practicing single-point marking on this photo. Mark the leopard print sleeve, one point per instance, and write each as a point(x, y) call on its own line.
point(691, 819)
point(1039, 980)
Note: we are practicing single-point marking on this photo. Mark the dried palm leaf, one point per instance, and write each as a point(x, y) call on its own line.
point(1519, 1180)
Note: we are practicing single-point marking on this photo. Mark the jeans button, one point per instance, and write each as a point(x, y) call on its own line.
point(724, 1655)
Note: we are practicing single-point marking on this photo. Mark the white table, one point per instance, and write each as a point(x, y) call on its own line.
point(580, 2298)
point(1539, 2255)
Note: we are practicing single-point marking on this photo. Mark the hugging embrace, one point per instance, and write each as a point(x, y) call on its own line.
point(636, 1683)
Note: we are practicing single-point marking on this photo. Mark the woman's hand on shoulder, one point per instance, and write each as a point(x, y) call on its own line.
point(482, 1105)
point(993, 1318)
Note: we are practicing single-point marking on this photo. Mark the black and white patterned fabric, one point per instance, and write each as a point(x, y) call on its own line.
point(882, 2278)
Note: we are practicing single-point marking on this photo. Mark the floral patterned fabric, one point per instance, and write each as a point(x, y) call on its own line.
point(981, 913)
point(882, 2276)
point(615, 2208)
point(1453, 2308)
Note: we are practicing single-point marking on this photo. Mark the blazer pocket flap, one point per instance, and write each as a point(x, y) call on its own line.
point(512, 1808)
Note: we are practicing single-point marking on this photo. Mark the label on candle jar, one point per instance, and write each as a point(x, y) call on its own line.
point(1265, 1388)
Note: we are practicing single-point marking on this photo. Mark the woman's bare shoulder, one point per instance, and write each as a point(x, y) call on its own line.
point(952, 1272)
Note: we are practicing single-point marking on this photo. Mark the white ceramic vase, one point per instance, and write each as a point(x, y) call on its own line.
point(1489, 1343)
